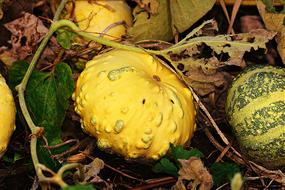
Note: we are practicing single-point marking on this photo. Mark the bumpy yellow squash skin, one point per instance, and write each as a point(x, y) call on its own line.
point(134, 105)
point(7, 115)
point(101, 17)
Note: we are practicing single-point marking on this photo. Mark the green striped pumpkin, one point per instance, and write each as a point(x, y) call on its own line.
point(255, 108)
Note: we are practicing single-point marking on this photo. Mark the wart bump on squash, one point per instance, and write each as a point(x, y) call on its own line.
point(93, 120)
point(148, 131)
point(108, 129)
point(173, 127)
point(101, 74)
point(119, 126)
point(158, 119)
point(103, 143)
point(147, 138)
point(116, 74)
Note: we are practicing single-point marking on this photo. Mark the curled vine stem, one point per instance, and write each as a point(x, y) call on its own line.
point(56, 178)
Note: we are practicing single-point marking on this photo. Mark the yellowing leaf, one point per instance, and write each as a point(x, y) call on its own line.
point(161, 19)
point(152, 27)
point(274, 21)
point(185, 13)
point(150, 6)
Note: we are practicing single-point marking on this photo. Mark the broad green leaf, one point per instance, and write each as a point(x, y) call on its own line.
point(64, 38)
point(179, 152)
point(79, 187)
point(152, 27)
point(165, 166)
point(184, 13)
point(223, 172)
point(47, 97)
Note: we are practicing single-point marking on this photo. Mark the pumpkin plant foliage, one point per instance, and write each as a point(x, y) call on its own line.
point(170, 164)
point(166, 18)
point(47, 97)
point(202, 72)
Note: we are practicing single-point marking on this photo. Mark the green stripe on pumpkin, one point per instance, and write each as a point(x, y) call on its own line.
point(256, 104)
point(256, 85)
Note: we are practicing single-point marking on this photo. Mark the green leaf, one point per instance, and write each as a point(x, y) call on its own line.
point(79, 187)
point(15, 158)
point(165, 166)
point(47, 98)
point(64, 38)
point(179, 152)
point(223, 172)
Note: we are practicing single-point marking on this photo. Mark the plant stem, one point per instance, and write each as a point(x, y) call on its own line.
point(89, 36)
point(59, 9)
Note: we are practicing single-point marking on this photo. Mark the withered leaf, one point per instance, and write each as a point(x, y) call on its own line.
point(194, 171)
point(92, 170)
point(274, 21)
point(199, 60)
point(27, 32)
point(202, 74)
point(234, 45)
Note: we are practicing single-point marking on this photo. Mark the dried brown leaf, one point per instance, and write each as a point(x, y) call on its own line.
point(92, 170)
point(274, 21)
point(200, 60)
point(202, 75)
point(27, 32)
point(193, 170)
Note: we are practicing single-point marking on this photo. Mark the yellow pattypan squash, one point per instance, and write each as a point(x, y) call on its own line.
point(134, 105)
